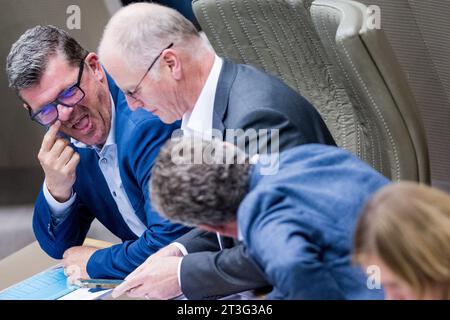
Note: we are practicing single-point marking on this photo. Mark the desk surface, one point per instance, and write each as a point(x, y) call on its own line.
point(32, 259)
point(29, 261)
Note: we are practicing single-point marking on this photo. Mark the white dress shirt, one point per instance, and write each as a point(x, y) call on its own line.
point(109, 166)
point(199, 121)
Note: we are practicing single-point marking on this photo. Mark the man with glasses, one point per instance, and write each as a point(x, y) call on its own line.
point(97, 156)
point(69, 97)
point(162, 63)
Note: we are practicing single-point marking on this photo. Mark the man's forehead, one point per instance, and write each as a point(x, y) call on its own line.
point(124, 76)
point(58, 74)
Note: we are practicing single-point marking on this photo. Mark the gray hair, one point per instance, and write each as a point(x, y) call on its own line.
point(199, 193)
point(140, 31)
point(29, 55)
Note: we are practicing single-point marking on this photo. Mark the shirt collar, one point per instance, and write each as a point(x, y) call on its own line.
point(240, 236)
point(200, 119)
point(110, 140)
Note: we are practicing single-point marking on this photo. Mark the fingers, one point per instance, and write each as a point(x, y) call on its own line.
point(73, 273)
point(119, 290)
point(58, 148)
point(50, 137)
point(138, 292)
point(52, 149)
point(59, 162)
point(66, 155)
point(128, 285)
point(72, 163)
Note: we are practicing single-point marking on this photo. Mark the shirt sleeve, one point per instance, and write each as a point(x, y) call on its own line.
point(58, 210)
point(179, 272)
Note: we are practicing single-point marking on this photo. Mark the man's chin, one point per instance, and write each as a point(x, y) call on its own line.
point(168, 119)
point(91, 140)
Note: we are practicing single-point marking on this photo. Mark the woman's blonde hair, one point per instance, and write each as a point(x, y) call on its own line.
point(407, 226)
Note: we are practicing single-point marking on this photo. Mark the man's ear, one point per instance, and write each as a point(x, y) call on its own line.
point(173, 62)
point(93, 62)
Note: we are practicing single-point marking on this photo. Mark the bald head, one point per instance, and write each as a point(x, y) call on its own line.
point(138, 32)
point(157, 57)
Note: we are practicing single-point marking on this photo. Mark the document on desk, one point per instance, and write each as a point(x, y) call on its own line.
point(86, 294)
point(50, 284)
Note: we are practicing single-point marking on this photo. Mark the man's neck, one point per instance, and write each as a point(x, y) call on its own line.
point(197, 77)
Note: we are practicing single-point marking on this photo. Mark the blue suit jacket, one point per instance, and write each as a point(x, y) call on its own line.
point(298, 224)
point(139, 136)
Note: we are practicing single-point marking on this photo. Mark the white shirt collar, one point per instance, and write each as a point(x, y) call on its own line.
point(110, 140)
point(200, 119)
point(240, 236)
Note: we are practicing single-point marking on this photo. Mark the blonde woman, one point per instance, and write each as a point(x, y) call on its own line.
point(405, 231)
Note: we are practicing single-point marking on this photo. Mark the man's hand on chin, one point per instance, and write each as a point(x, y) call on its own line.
point(75, 261)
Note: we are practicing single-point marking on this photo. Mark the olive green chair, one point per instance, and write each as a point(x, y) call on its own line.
point(324, 50)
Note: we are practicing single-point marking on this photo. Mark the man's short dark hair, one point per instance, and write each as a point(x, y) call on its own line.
point(205, 192)
point(29, 55)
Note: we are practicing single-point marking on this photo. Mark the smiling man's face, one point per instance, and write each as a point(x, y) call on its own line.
point(90, 120)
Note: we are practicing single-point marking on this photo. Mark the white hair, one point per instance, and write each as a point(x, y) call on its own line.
point(140, 31)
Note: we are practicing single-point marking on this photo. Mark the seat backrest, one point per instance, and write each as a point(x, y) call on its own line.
point(418, 33)
point(280, 37)
point(376, 85)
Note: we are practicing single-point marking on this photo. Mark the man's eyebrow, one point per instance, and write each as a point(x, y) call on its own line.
point(57, 96)
point(66, 88)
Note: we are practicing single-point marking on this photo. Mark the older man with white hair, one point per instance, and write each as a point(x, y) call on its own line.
point(160, 61)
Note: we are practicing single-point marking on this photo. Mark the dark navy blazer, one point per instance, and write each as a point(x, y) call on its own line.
point(139, 136)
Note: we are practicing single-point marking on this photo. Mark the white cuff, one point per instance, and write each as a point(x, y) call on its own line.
point(219, 239)
point(179, 272)
point(240, 235)
point(181, 248)
point(58, 209)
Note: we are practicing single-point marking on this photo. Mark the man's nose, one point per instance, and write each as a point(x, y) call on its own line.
point(133, 103)
point(64, 112)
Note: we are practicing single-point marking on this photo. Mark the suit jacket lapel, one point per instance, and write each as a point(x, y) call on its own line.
point(226, 79)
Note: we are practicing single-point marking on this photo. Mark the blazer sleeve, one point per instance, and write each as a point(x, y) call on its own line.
point(140, 152)
point(211, 275)
point(288, 247)
point(71, 231)
point(118, 261)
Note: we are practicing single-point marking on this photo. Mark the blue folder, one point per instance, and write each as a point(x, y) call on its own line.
point(47, 285)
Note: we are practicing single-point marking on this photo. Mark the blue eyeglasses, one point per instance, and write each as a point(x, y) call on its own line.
point(70, 97)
